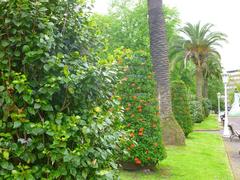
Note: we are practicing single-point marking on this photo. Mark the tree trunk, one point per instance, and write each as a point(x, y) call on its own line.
point(199, 82)
point(205, 87)
point(171, 131)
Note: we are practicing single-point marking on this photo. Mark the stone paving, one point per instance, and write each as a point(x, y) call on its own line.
point(233, 148)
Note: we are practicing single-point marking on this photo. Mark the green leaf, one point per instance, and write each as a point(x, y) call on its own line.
point(6, 155)
point(37, 106)
point(6, 165)
point(47, 107)
point(85, 130)
point(31, 110)
point(2, 54)
point(7, 20)
point(65, 70)
point(28, 99)
point(4, 43)
point(42, 9)
point(2, 88)
point(17, 53)
point(17, 124)
point(17, 23)
point(26, 48)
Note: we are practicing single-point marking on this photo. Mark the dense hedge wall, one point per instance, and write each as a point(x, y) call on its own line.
point(180, 105)
point(137, 91)
point(59, 118)
point(196, 111)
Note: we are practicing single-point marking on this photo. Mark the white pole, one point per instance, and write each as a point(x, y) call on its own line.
point(226, 132)
point(219, 118)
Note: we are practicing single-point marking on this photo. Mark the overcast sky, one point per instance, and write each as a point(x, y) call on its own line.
point(223, 14)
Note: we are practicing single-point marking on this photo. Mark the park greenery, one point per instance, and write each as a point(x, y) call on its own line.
point(82, 94)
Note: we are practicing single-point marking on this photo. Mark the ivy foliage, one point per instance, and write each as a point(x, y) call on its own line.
point(180, 105)
point(58, 116)
point(138, 96)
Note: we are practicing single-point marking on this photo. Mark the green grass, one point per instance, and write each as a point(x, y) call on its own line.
point(210, 123)
point(202, 158)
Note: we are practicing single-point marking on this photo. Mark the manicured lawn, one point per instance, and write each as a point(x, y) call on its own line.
point(202, 158)
point(210, 123)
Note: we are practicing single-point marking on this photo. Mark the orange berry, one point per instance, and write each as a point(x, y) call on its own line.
point(140, 133)
point(132, 146)
point(134, 97)
point(131, 134)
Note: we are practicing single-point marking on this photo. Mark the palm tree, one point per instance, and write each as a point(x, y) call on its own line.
point(211, 69)
point(171, 131)
point(199, 43)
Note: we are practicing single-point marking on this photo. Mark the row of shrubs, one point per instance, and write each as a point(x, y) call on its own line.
point(187, 111)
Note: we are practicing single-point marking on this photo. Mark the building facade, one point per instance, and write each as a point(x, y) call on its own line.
point(234, 80)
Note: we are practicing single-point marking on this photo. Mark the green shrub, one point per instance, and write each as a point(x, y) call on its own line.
point(180, 105)
point(137, 90)
point(206, 103)
point(58, 116)
point(196, 111)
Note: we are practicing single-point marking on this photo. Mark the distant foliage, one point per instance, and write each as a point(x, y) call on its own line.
point(138, 95)
point(196, 111)
point(206, 107)
point(59, 117)
point(180, 105)
point(126, 24)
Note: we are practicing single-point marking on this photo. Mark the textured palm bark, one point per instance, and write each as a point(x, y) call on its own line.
point(205, 87)
point(199, 82)
point(171, 131)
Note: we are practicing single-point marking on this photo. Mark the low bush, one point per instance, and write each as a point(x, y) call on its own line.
point(138, 95)
point(196, 111)
point(180, 105)
point(206, 103)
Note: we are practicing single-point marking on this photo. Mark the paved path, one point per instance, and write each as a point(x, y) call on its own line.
point(233, 148)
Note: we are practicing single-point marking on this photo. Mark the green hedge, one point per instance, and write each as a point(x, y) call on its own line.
point(196, 111)
point(142, 122)
point(180, 105)
point(59, 118)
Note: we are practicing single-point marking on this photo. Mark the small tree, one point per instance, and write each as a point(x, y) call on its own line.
point(138, 94)
point(196, 110)
point(180, 104)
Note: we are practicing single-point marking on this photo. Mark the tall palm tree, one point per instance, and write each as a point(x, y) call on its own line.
point(171, 131)
point(211, 69)
point(199, 43)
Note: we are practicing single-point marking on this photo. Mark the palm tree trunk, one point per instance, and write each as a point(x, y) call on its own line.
point(199, 82)
point(205, 87)
point(171, 131)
